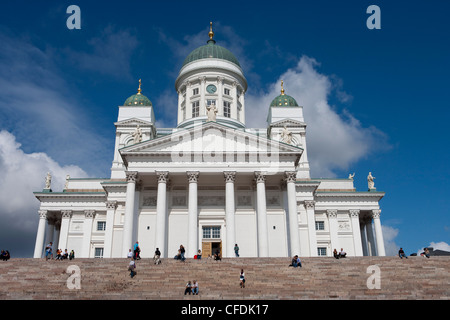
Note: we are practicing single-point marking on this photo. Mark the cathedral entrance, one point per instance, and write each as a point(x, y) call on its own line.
point(211, 241)
point(209, 248)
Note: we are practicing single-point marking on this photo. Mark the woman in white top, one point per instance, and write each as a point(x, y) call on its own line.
point(242, 278)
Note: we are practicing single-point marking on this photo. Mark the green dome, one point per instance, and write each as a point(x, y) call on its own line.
point(137, 100)
point(211, 50)
point(283, 100)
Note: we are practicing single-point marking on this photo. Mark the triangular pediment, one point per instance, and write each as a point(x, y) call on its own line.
point(210, 142)
point(132, 122)
point(288, 123)
point(210, 136)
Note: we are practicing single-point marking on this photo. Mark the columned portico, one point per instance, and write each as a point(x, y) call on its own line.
point(230, 177)
point(161, 212)
point(263, 241)
point(192, 246)
point(127, 243)
point(39, 246)
point(293, 215)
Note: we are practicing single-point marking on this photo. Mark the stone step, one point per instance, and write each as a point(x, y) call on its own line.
point(266, 278)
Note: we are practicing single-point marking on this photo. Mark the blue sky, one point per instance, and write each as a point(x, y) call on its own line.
point(384, 93)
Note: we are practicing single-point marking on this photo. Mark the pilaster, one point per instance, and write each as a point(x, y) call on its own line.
point(192, 246)
point(230, 177)
point(263, 241)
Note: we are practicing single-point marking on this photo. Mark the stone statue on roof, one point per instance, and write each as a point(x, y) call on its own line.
point(370, 182)
point(48, 180)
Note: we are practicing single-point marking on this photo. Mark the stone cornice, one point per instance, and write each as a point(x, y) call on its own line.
point(91, 196)
point(361, 194)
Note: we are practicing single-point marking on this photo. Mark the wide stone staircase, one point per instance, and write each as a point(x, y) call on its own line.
point(362, 278)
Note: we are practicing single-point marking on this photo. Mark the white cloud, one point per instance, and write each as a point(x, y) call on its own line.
point(335, 140)
point(389, 235)
point(444, 246)
point(21, 175)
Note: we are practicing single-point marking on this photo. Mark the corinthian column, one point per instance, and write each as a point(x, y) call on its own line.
point(230, 177)
point(192, 215)
point(39, 245)
point(378, 232)
point(357, 241)
point(127, 242)
point(263, 241)
point(64, 232)
point(293, 215)
point(161, 214)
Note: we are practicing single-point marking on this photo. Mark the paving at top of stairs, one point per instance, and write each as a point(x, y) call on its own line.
point(415, 278)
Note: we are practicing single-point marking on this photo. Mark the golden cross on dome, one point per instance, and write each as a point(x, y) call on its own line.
point(211, 33)
point(139, 89)
point(282, 89)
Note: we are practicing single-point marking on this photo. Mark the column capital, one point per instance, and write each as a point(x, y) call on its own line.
point(309, 204)
point(193, 176)
point(162, 176)
point(131, 176)
point(376, 214)
point(42, 214)
point(290, 176)
point(89, 214)
point(354, 213)
point(111, 204)
point(260, 177)
point(230, 176)
point(332, 213)
point(66, 214)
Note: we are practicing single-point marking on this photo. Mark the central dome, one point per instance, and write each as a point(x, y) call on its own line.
point(211, 51)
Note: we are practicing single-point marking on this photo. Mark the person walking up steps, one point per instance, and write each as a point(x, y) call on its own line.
point(242, 279)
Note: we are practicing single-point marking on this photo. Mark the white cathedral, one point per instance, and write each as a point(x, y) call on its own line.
point(211, 182)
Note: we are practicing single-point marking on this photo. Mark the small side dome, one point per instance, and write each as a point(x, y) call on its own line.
point(138, 99)
point(283, 100)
